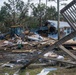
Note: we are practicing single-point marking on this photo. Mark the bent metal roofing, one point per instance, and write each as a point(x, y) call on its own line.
point(62, 23)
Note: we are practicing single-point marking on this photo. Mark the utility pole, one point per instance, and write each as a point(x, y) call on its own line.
point(58, 23)
point(46, 3)
point(58, 20)
point(28, 1)
point(39, 2)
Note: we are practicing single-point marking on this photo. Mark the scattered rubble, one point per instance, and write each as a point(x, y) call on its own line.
point(8, 65)
point(21, 52)
point(34, 43)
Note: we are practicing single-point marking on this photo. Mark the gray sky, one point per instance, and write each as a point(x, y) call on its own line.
point(36, 1)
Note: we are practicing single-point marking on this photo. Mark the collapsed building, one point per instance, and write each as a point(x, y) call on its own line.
point(43, 44)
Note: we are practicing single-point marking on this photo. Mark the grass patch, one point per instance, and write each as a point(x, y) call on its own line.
point(8, 70)
point(60, 71)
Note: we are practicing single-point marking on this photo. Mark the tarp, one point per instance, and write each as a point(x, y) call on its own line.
point(45, 71)
point(35, 37)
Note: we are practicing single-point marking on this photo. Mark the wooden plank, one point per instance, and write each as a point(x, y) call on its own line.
point(63, 61)
point(68, 52)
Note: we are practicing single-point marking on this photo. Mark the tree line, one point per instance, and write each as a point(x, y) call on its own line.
point(16, 12)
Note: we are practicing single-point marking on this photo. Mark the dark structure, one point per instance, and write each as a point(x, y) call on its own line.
point(69, 13)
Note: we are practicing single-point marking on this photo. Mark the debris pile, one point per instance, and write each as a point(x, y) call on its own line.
point(31, 40)
point(31, 44)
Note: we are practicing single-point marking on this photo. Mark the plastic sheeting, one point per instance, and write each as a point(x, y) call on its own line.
point(45, 71)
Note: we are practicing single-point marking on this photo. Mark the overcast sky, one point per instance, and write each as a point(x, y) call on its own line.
point(36, 1)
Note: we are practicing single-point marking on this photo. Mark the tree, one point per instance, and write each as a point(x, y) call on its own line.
point(3, 16)
point(43, 12)
point(38, 11)
point(14, 12)
point(51, 13)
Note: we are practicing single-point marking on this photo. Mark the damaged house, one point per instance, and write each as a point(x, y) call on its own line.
point(50, 29)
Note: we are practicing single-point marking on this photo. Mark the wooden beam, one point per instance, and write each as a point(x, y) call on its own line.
point(63, 61)
point(68, 52)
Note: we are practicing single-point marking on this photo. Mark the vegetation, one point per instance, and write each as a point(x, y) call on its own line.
point(16, 12)
point(59, 71)
point(8, 70)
